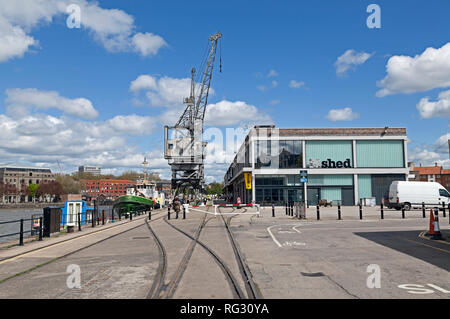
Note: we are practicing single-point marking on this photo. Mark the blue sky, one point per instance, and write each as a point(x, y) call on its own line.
point(265, 46)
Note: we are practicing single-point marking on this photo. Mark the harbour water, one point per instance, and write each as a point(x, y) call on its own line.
point(16, 214)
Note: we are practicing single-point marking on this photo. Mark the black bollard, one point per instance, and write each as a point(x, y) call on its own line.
point(443, 209)
point(318, 212)
point(273, 210)
point(40, 228)
point(103, 217)
point(339, 212)
point(150, 215)
point(360, 211)
point(286, 208)
point(79, 222)
point(382, 211)
point(176, 214)
point(403, 212)
point(184, 212)
point(168, 213)
point(21, 233)
point(131, 216)
point(423, 210)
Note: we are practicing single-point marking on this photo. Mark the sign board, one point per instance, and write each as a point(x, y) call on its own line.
point(303, 176)
point(248, 180)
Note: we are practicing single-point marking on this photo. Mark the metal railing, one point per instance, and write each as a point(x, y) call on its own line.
point(21, 231)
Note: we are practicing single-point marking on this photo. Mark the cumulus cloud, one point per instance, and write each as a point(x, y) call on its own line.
point(429, 154)
point(148, 44)
point(440, 108)
point(423, 72)
point(230, 113)
point(18, 101)
point(350, 60)
point(296, 85)
point(44, 139)
point(345, 114)
point(143, 82)
point(112, 28)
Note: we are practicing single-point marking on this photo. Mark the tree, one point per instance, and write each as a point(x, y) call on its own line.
point(52, 189)
point(33, 190)
point(70, 185)
point(214, 189)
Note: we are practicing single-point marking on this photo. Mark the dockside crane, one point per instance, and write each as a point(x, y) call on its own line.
point(183, 144)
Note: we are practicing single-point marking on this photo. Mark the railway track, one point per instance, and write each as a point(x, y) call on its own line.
point(159, 290)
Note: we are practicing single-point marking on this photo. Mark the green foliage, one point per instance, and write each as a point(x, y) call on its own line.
point(70, 185)
point(33, 189)
point(214, 189)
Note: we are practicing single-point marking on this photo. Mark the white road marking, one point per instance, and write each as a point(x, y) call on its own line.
point(273, 237)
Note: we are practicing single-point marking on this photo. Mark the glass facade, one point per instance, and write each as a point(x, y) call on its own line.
point(278, 189)
point(278, 154)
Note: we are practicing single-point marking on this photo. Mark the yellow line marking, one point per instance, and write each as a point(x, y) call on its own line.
point(58, 244)
point(444, 250)
point(422, 235)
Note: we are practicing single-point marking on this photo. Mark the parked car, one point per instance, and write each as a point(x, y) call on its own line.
point(413, 194)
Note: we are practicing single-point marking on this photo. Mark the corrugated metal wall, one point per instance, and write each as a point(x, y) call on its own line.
point(371, 154)
point(330, 180)
point(364, 186)
point(323, 150)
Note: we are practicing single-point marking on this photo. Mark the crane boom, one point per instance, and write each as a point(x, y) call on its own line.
point(186, 150)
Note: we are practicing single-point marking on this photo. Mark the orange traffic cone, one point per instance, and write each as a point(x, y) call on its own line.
point(435, 231)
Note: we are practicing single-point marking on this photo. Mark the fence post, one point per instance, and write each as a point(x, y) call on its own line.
point(103, 217)
point(79, 221)
point(112, 215)
point(273, 210)
point(318, 212)
point(93, 213)
point(382, 211)
point(40, 228)
point(339, 212)
point(360, 211)
point(423, 210)
point(21, 233)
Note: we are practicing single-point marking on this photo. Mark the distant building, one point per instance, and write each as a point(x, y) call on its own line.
point(430, 174)
point(16, 180)
point(108, 188)
point(94, 170)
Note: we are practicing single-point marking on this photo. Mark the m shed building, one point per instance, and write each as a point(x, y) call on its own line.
point(344, 165)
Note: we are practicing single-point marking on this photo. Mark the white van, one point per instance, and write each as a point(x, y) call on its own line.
point(413, 194)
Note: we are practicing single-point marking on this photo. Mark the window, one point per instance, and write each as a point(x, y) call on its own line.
point(443, 192)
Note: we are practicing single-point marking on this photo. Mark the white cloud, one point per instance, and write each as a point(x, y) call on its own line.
point(143, 82)
point(430, 154)
point(423, 72)
point(148, 44)
point(13, 41)
point(440, 108)
point(227, 113)
point(350, 60)
point(296, 85)
point(113, 28)
point(133, 124)
point(44, 139)
point(345, 114)
point(18, 101)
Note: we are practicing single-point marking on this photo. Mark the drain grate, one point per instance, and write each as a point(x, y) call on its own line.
point(313, 274)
